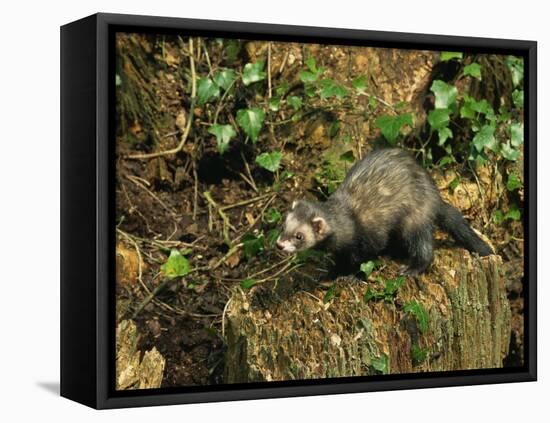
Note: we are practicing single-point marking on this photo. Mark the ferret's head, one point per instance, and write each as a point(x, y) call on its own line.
point(304, 227)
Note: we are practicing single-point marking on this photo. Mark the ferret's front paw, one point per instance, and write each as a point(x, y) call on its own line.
point(409, 271)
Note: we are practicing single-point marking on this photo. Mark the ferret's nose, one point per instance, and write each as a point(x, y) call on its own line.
point(280, 245)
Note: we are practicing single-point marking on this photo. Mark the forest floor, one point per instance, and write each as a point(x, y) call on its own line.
point(175, 202)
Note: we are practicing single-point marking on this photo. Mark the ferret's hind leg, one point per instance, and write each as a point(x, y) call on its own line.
point(419, 245)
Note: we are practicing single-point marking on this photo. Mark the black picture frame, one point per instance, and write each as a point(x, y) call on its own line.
point(87, 213)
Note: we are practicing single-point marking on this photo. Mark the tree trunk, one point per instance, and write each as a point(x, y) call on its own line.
point(468, 326)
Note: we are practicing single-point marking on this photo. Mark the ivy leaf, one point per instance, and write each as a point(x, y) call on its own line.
point(419, 312)
point(508, 152)
point(513, 182)
point(270, 161)
point(251, 121)
point(381, 364)
point(498, 217)
point(444, 134)
point(418, 355)
point(207, 90)
point(471, 107)
point(360, 84)
point(392, 286)
point(348, 156)
point(312, 66)
point(329, 295)
point(252, 245)
point(223, 134)
point(274, 103)
point(307, 77)
point(517, 98)
point(439, 118)
point(176, 265)
point(513, 214)
point(474, 70)
point(367, 268)
point(516, 131)
point(450, 55)
point(294, 101)
point(225, 78)
point(329, 88)
point(445, 94)
point(272, 236)
point(253, 72)
point(515, 65)
point(272, 215)
point(390, 126)
point(369, 295)
point(248, 283)
point(485, 138)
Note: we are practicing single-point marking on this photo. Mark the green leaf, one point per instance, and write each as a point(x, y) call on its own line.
point(392, 286)
point(474, 70)
point(509, 152)
point(450, 55)
point(381, 364)
point(439, 118)
point(118, 80)
point(329, 295)
point(309, 89)
point(444, 134)
point(513, 182)
point(253, 72)
point(307, 77)
point(367, 268)
point(516, 132)
point(445, 94)
point(485, 138)
point(272, 236)
point(251, 121)
point(274, 103)
point(369, 295)
point(420, 314)
point(270, 161)
point(312, 66)
point(517, 98)
point(207, 90)
point(454, 183)
point(282, 89)
point(515, 65)
point(225, 78)
point(513, 214)
point(418, 355)
point(176, 265)
point(252, 245)
point(360, 84)
point(248, 283)
point(232, 48)
point(498, 217)
point(471, 107)
point(272, 215)
point(348, 157)
point(390, 126)
point(329, 88)
point(223, 134)
point(294, 101)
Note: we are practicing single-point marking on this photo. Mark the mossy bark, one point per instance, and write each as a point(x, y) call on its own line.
point(304, 338)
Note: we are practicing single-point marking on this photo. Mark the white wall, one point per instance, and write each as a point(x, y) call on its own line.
point(29, 177)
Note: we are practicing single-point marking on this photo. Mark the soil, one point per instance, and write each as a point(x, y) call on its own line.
point(160, 203)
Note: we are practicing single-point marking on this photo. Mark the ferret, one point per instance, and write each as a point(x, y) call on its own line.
point(386, 202)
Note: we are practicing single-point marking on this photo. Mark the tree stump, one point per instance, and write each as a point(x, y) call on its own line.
point(468, 326)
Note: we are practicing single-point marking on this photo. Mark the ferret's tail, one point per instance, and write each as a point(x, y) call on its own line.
point(451, 220)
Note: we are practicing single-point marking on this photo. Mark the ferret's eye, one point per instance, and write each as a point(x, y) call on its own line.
point(299, 236)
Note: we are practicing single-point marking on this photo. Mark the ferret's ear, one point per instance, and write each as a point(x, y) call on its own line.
point(319, 225)
point(294, 203)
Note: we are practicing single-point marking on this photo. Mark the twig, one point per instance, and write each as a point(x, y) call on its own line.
point(195, 190)
point(256, 219)
point(225, 219)
point(268, 70)
point(223, 316)
point(185, 134)
point(221, 102)
point(250, 177)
